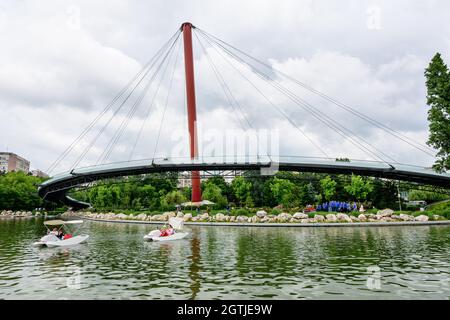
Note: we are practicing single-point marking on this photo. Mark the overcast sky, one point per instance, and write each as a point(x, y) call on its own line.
point(61, 62)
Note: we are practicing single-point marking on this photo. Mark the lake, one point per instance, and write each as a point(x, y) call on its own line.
point(398, 262)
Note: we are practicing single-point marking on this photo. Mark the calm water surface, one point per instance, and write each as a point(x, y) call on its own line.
point(227, 263)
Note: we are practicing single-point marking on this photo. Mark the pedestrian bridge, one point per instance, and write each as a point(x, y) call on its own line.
point(56, 188)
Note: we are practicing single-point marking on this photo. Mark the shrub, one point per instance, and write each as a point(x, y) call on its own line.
point(275, 211)
point(241, 212)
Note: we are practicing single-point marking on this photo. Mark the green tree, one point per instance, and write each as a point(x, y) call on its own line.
point(359, 188)
point(213, 193)
point(384, 194)
point(18, 191)
point(428, 196)
point(241, 190)
point(285, 191)
point(148, 196)
point(261, 193)
point(175, 197)
point(220, 182)
point(328, 187)
point(308, 194)
point(438, 99)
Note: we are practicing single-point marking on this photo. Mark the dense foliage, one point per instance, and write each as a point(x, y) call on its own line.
point(157, 192)
point(285, 189)
point(438, 99)
point(18, 191)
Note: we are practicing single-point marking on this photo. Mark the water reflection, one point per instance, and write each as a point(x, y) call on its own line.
point(227, 263)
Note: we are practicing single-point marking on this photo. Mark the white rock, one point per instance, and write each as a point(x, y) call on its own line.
point(343, 217)
point(220, 217)
point(180, 214)
point(242, 219)
point(121, 216)
point(284, 217)
point(319, 217)
point(156, 217)
point(354, 219)
point(300, 215)
point(331, 217)
point(261, 214)
point(422, 218)
point(385, 213)
point(362, 217)
point(406, 217)
point(204, 216)
point(187, 217)
point(265, 219)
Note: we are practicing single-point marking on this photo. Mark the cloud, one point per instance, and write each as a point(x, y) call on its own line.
point(62, 62)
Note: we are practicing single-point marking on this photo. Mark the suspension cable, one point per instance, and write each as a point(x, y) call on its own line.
point(167, 100)
point(89, 147)
point(393, 132)
point(62, 156)
point(233, 102)
point(314, 111)
point(119, 132)
point(229, 96)
point(276, 107)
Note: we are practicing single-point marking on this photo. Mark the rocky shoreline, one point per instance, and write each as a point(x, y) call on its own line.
point(386, 215)
point(8, 214)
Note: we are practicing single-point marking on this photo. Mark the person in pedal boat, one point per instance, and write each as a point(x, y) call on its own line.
point(60, 234)
point(166, 231)
point(54, 232)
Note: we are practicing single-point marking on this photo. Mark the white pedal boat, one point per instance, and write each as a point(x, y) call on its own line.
point(176, 223)
point(51, 240)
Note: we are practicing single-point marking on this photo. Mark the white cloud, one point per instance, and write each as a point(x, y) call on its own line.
point(62, 61)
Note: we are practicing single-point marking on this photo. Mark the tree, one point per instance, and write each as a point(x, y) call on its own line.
point(18, 191)
point(241, 190)
point(175, 197)
point(308, 194)
point(428, 196)
point(384, 193)
point(285, 191)
point(220, 182)
point(148, 197)
point(261, 193)
point(438, 98)
point(328, 187)
point(213, 193)
point(359, 188)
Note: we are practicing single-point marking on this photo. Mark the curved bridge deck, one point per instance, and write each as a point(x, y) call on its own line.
point(55, 189)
